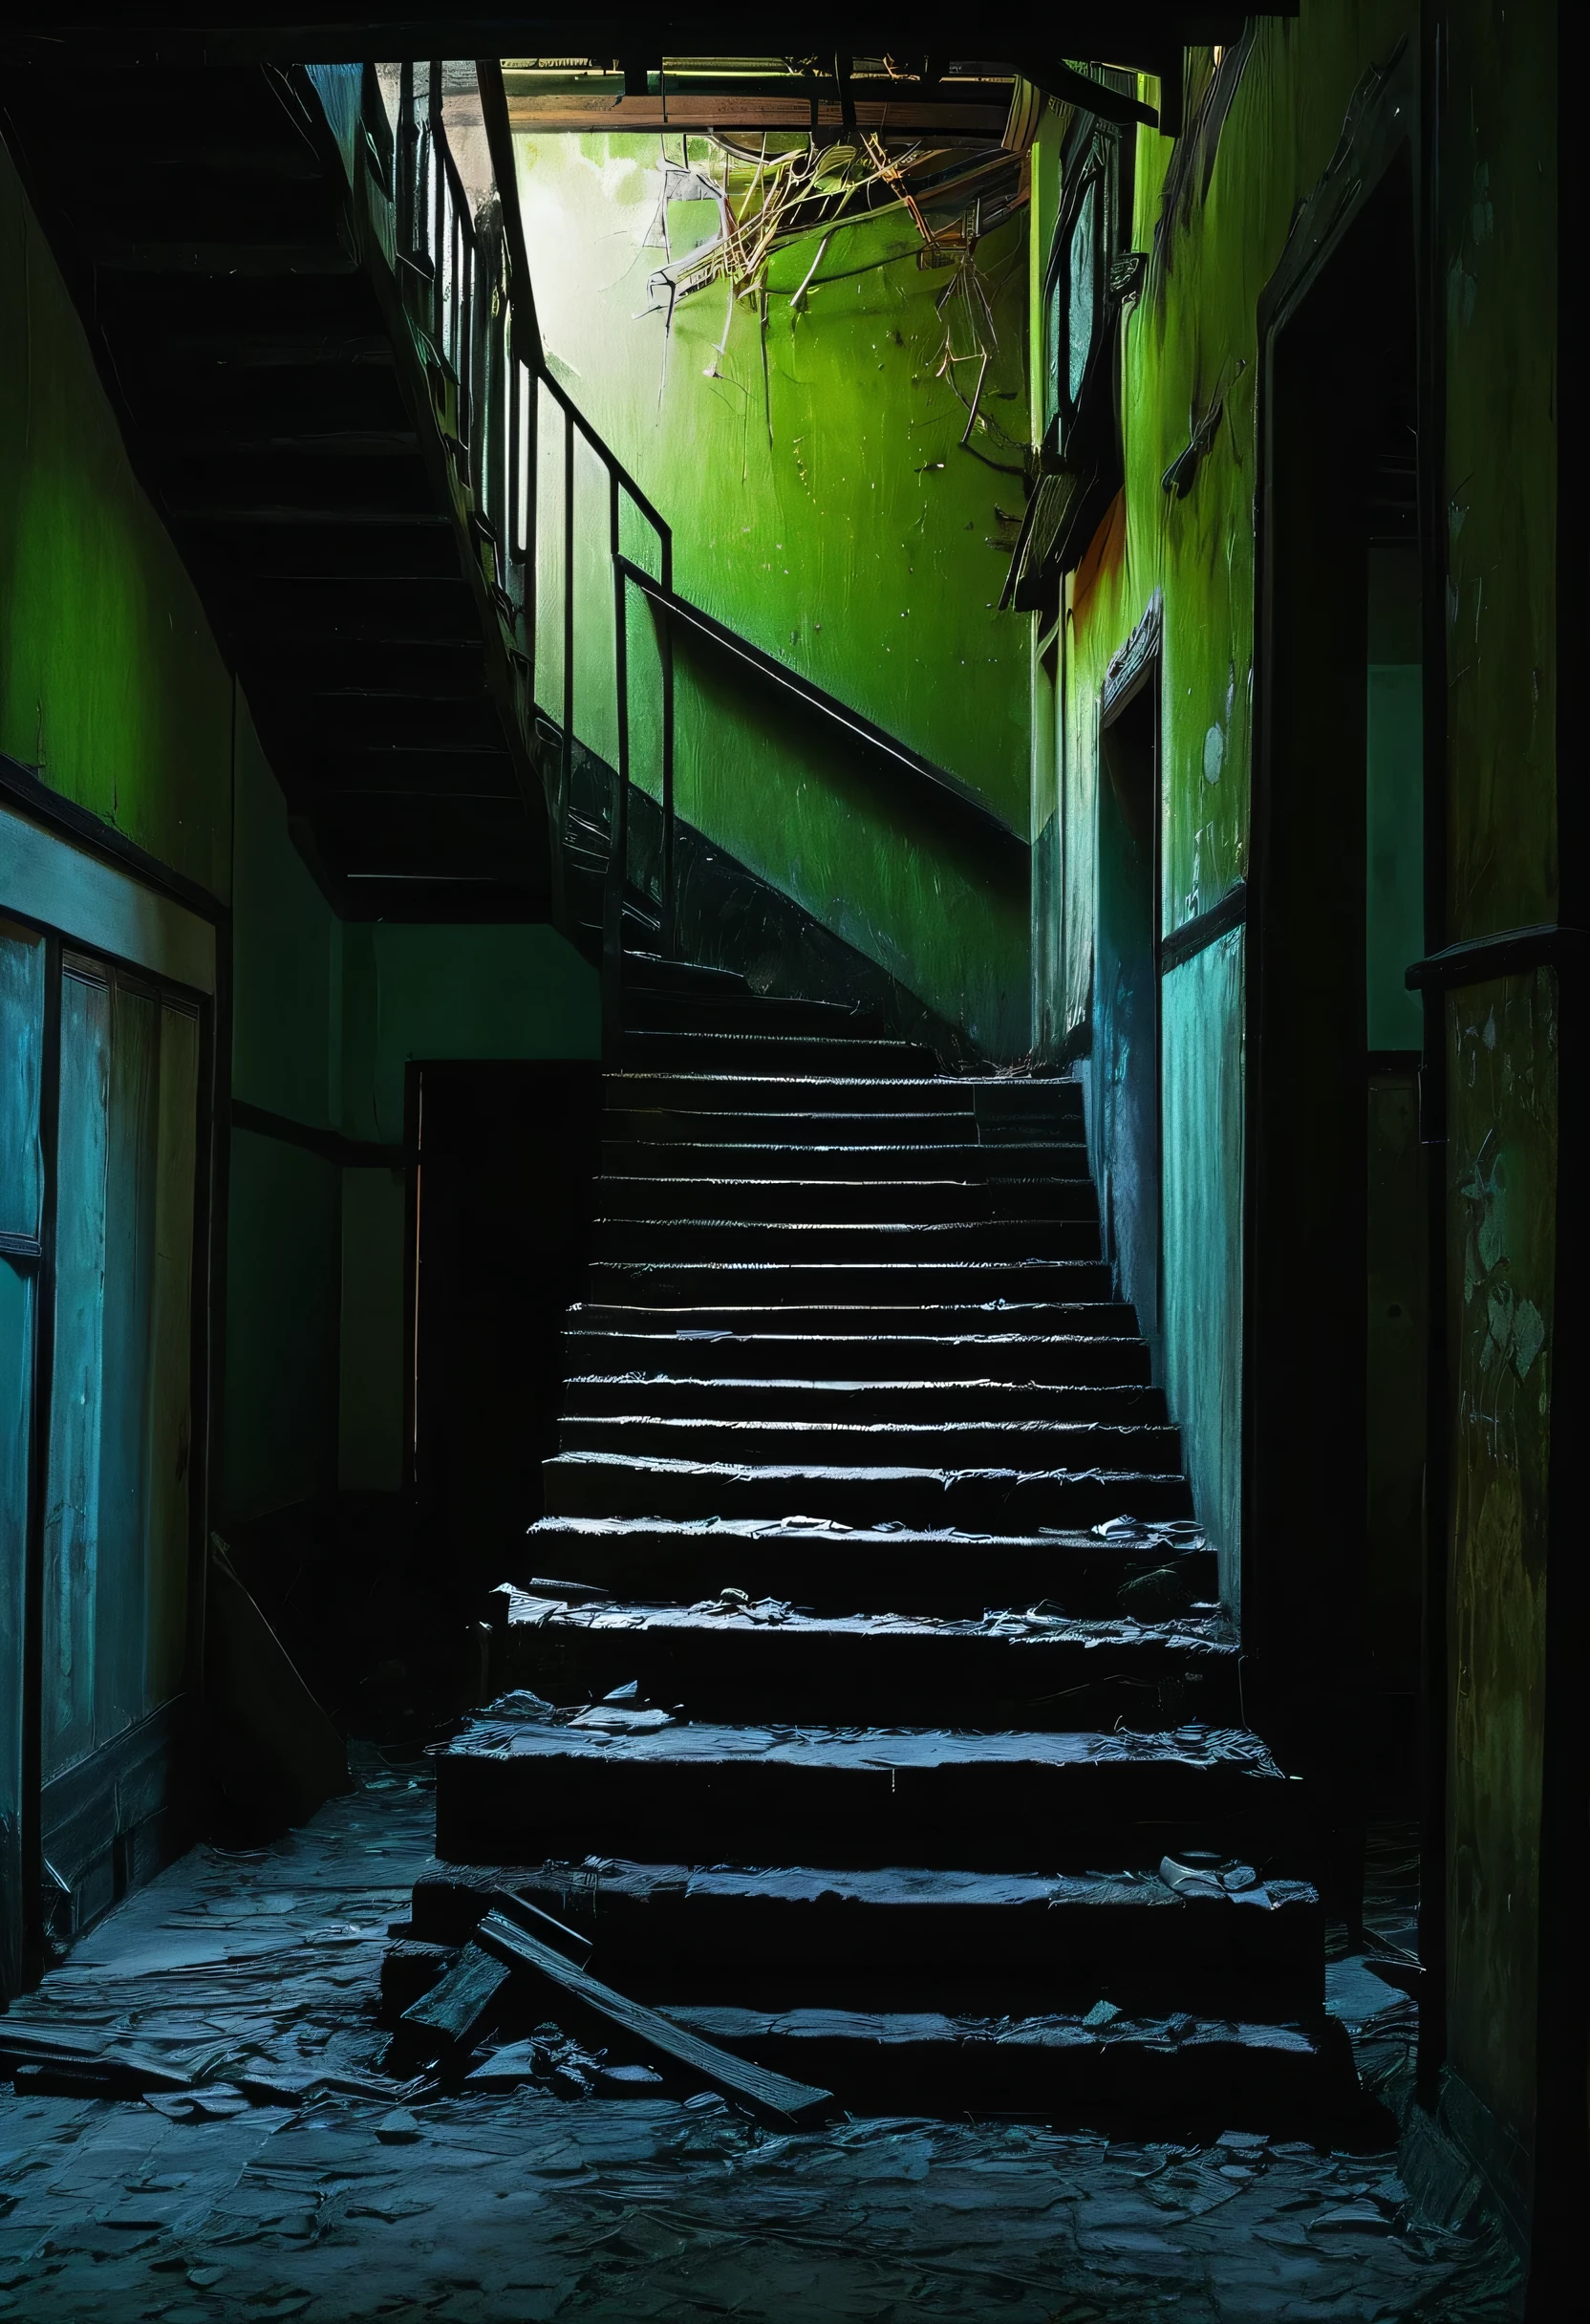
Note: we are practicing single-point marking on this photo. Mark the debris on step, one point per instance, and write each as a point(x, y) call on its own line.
point(772, 2096)
point(1182, 1534)
point(540, 1924)
point(615, 1718)
point(1200, 1872)
point(1110, 2065)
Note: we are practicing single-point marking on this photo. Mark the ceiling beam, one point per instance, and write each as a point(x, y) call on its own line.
point(1119, 32)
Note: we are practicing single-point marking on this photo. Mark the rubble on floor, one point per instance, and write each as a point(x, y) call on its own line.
point(553, 2184)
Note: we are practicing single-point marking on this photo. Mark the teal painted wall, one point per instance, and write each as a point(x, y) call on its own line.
point(282, 1287)
point(287, 958)
point(806, 460)
point(1203, 1097)
point(425, 992)
point(283, 1210)
point(327, 1015)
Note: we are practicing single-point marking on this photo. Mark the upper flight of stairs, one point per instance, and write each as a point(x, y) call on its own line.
point(268, 365)
point(844, 1409)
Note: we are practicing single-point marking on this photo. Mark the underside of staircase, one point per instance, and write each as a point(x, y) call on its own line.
point(864, 1698)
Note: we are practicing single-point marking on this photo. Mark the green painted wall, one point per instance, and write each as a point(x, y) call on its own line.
point(110, 682)
point(1499, 172)
point(417, 992)
point(1193, 338)
point(111, 685)
point(807, 459)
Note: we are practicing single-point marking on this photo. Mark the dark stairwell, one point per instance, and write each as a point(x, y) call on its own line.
point(850, 1374)
point(863, 1701)
point(933, 1787)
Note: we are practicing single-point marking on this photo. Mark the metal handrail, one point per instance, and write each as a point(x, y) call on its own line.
point(467, 274)
point(975, 820)
point(470, 272)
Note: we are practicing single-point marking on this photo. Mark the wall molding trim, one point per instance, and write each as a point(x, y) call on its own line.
point(1205, 928)
point(330, 1146)
point(21, 786)
point(1513, 952)
point(66, 884)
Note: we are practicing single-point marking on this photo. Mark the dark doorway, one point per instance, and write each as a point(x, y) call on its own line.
point(1127, 983)
point(503, 1164)
point(1336, 1280)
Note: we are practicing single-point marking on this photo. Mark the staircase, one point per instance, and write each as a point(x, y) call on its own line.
point(259, 298)
point(886, 1662)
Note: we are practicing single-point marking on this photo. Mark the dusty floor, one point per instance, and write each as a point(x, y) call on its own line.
point(264, 1968)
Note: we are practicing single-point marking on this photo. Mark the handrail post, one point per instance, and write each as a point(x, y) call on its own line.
point(566, 784)
point(666, 562)
point(408, 159)
point(619, 851)
point(439, 200)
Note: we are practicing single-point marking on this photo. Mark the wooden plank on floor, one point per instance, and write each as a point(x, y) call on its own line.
point(764, 2093)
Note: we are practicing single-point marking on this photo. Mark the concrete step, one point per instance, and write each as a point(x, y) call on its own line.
point(1177, 2074)
point(1033, 1163)
point(981, 1501)
point(712, 1084)
point(1008, 1241)
point(530, 1790)
point(1047, 1445)
point(919, 1403)
point(648, 973)
point(821, 1127)
point(906, 1936)
point(837, 1569)
point(642, 921)
point(646, 1011)
point(723, 1662)
point(823, 1055)
point(1084, 1339)
point(1032, 1284)
point(849, 1200)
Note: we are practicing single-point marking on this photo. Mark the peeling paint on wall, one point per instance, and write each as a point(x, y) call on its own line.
point(808, 453)
point(1192, 345)
point(1502, 1186)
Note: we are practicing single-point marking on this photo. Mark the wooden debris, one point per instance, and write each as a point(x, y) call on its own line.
point(454, 2015)
point(769, 2095)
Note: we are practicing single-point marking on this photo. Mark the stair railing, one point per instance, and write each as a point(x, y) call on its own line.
point(462, 266)
point(461, 261)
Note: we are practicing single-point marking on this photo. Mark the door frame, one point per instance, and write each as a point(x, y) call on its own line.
point(1137, 669)
point(1382, 133)
point(86, 889)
